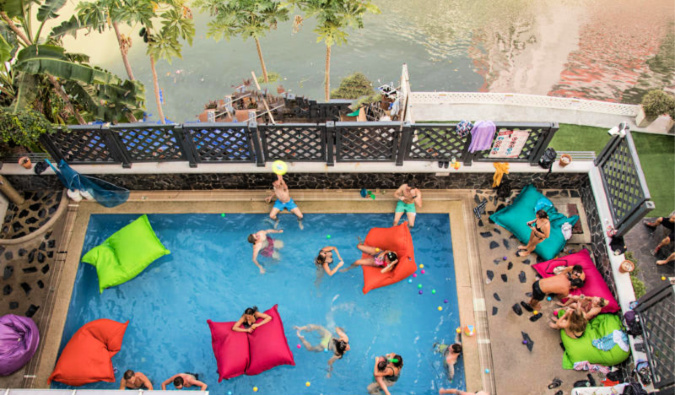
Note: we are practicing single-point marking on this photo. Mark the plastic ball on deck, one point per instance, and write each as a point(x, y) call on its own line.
point(535, 312)
point(419, 285)
point(279, 167)
point(423, 271)
point(548, 298)
point(487, 371)
point(307, 384)
point(433, 291)
point(421, 266)
point(255, 389)
point(663, 278)
point(504, 258)
point(524, 341)
point(440, 308)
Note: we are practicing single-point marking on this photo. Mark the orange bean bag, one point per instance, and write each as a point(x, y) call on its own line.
point(87, 356)
point(397, 239)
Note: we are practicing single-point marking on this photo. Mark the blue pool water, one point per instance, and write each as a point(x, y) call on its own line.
point(209, 275)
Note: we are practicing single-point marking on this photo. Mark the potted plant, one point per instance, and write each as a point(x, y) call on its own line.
point(654, 104)
point(25, 162)
point(565, 159)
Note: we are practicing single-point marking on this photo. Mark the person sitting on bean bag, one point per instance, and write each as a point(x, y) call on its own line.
point(386, 259)
point(571, 277)
point(573, 322)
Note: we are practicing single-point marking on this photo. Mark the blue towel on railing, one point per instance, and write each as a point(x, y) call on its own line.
point(482, 135)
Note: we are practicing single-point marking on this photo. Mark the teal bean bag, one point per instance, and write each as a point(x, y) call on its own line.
point(125, 254)
point(582, 349)
point(514, 218)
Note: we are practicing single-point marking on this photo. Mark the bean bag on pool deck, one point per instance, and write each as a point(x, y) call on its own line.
point(594, 285)
point(514, 218)
point(87, 358)
point(397, 239)
point(19, 338)
point(250, 353)
point(582, 349)
point(126, 253)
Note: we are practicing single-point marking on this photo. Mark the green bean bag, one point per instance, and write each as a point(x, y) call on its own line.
point(514, 218)
point(125, 254)
point(582, 349)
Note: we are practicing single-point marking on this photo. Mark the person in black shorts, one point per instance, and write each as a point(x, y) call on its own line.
point(668, 223)
point(569, 278)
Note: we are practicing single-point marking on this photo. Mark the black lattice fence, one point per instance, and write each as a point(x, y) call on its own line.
point(221, 142)
point(367, 142)
point(436, 143)
point(82, 144)
point(143, 143)
point(624, 182)
point(294, 142)
point(656, 310)
point(540, 135)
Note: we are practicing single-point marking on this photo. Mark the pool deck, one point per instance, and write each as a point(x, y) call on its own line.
point(457, 203)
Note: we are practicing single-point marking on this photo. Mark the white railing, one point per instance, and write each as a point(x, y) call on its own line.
point(515, 99)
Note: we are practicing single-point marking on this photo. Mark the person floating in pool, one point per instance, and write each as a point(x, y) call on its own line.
point(408, 197)
point(338, 345)
point(247, 322)
point(264, 245)
point(385, 378)
point(284, 201)
point(325, 258)
point(184, 380)
point(451, 353)
point(541, 228)
point(384, 259)
point(135, 380)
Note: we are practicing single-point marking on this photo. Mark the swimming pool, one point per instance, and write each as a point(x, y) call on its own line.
point(209, 275)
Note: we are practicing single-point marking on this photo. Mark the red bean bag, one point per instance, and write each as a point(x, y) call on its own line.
point(240, 353)
point(87, 356)
point(397, 239)
point(594, 286)
point(230, 348)
point(269, 347)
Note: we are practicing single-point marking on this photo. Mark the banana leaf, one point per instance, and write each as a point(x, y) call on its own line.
point(49, 8)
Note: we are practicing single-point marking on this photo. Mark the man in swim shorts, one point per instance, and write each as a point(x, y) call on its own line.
point(669, 224)
point(284, 201)
point(184, 380)
point(408, 197)
point(135, 380)
point(569, 278)
point(264, 245)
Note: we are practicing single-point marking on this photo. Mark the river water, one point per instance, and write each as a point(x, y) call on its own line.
point(613, 50)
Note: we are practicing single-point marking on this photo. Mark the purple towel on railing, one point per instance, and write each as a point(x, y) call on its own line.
point(482, 135)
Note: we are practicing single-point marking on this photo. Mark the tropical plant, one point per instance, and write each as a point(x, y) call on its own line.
point(333, 17)
point(657, 102)
point(42, 70)
point(245, 18)
point(163, 44)
point(24, 127)
point(353, 87)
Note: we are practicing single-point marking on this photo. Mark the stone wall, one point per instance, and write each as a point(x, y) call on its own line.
point(311, 181)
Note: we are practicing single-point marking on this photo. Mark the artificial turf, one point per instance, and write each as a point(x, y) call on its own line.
point(656, 153)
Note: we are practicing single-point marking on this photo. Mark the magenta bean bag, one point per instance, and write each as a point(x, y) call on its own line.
point(594, 286)
point(240, 353)
point(19, 338)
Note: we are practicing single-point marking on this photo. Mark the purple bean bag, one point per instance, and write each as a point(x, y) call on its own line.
point(19, 338)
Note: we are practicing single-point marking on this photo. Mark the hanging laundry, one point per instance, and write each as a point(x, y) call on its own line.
point(481, 136)
point(501, 168)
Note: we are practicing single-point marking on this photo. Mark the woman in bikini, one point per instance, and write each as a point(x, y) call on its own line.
point(590, 307)
point(325, 258)
point(573, 322)
point(541, 228)
point(247, 322)
point(338, 345)
point(385, 378)
point(384, 259)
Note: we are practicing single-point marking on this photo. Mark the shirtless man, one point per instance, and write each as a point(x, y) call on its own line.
point(265, 245)
point(284, 201)
point(184, 380)
point(408, 197)
point(135, 380)
point(569, 278)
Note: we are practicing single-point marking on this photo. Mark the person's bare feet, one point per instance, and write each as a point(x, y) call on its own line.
point(662, 262)
point(522, 247)
point(656, 250)
point(522, 253)
point(552, 325)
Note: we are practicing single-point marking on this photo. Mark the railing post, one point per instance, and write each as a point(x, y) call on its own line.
point(404, 143)
point(542, 144)
point(117, 149)
point(607, 151)
point(329, 134)
point(257, 147)
point(467, 157)
point(186, 145)
point(635, 217)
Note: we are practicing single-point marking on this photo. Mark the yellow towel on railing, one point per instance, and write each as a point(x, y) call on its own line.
point(501, 168)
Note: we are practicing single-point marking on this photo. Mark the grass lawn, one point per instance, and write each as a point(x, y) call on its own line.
point(656, 152)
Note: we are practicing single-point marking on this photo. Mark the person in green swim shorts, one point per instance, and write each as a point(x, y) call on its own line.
point(408, 197)
point(338, 345)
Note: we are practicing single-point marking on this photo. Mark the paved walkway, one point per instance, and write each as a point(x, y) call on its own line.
point(642, 240)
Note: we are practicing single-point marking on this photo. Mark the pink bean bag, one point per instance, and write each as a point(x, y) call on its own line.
point(594, 286)
point(240, 353)
point(87, 358)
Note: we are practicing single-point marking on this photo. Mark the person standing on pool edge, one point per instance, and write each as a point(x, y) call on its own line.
point(284, 201)
point(184, 380)
point(408, 197)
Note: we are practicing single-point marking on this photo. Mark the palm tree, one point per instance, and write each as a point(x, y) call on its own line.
point(333, 17)
point(245, 18)
point(177, 23)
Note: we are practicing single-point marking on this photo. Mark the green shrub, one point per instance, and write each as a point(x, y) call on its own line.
point(656, 103)
point(24, 127)
point(353, 87)
point(638, 286)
